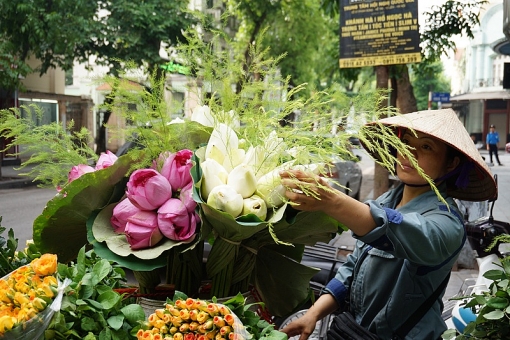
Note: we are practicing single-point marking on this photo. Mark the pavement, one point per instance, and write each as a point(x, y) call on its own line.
point(11, 178)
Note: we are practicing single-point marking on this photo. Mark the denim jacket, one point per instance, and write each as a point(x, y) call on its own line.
point(410, 252)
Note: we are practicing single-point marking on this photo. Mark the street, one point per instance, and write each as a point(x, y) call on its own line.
point(20, 207)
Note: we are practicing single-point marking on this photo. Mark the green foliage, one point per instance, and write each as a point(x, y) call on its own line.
point(58, 33)
point(91, 308)
point(52, 149)
point(428, 77)
point(10, 258)
point(492, 307)
point(442, 23)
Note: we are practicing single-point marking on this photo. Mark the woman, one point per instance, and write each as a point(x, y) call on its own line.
point(408, 239)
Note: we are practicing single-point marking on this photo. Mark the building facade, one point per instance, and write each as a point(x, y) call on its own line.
point(481, 98)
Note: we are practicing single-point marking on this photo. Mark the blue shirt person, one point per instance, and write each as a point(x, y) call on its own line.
point(492, 141)
point(408, 238)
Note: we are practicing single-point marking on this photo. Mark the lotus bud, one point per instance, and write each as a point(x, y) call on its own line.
point(256, 206)
point(147, 189)
point(227, 199)
point(255, 157)
point(233, 159)
point(242, 179)
point(202, 115)
point(214, 174)
point(78, 170)
point(214, 152)
point(270, 189)
point(222, 138)
point(105, 160)
point(311, 168)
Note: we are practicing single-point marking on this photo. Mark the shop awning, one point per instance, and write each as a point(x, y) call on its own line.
point(481, 95)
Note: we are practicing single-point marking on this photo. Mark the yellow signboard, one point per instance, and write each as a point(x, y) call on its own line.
point(383, 32)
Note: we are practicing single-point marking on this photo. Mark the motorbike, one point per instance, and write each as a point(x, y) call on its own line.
point(481, 233)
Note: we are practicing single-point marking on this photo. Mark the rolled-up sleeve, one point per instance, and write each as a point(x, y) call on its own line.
point(426, 238)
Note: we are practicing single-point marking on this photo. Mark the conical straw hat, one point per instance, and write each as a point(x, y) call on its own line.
point(446, 126)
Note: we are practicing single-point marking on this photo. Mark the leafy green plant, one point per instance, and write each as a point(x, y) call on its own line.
point(492, 307)
point(91, 307)
point(10, 258)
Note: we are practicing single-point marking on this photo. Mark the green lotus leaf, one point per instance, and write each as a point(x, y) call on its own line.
point(131, 262)
point(282, 283)
point(61, 227)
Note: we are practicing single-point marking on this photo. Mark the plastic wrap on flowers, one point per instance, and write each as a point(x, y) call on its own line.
point(30, 296)
point(193, 319)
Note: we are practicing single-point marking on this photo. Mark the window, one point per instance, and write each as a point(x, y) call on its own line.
point(46, 114)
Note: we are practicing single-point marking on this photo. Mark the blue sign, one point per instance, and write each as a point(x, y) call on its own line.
point(443, 97)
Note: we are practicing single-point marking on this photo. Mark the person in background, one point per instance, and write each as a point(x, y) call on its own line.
point(408, 239)
point(492, 141)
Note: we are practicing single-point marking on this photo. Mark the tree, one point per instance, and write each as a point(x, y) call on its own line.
point(113, 32)
point(428, 77)
point(299, 30)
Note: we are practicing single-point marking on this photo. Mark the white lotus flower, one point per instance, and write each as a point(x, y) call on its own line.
point(221, 142)
point(270, 189)
point(213, 175)
point(227, 199)
point(243, 180)
point(234, 158)
point(313, 168)
point(254, 158)
point(202, 115)
point(176, 120)
point(255, 205)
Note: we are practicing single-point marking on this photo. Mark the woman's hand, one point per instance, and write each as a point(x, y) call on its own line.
point(304, 326)
point(307, 191)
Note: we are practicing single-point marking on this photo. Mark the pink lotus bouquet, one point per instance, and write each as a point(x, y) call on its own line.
point(159, 203)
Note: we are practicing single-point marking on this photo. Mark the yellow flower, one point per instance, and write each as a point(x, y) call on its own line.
point(39, 304)
point(45, 265)
point(6, 323)
point(21, 299)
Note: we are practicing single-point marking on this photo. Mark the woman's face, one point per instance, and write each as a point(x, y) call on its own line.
point(432, 157)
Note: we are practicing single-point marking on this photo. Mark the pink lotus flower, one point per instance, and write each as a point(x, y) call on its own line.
point(142, 230)
point(78, 170)
point(175, 222)
point(121, 213)
point(105, 160)
point(147, 189)
point(186, 197)
point(176, 168)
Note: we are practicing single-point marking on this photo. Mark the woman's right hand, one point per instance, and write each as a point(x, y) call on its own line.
point(304, 326)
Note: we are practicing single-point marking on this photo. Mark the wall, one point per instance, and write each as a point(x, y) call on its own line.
point(53, 81)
